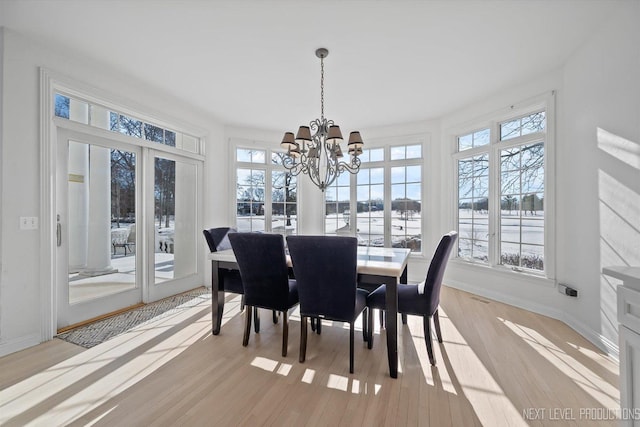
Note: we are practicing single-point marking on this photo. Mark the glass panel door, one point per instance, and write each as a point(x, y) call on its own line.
point(97, 209)
point(174, 225)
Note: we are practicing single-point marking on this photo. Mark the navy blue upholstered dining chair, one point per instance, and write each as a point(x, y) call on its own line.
point(265, 276)
point(229, 280)
point(326, 270)
point(218, 240)
point(412, 301)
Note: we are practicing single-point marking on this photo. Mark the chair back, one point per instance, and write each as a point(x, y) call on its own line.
point(263, 269)
point(217, 238)
point(325, 268)
point(438, 264)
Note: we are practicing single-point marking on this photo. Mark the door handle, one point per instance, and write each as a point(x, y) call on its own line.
point(58, 232)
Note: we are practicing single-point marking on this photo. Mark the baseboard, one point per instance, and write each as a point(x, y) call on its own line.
point(603, 343)
point(507, 299)
point(17, 344)
point(597, 339)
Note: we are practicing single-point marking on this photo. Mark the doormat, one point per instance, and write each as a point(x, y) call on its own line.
point(98, 332)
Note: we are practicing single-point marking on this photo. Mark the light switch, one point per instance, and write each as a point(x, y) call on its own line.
point(28, 223)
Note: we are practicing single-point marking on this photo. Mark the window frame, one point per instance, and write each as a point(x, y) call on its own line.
point(387, 144)
point(492, 121)
point(268, 167)
point(182, 137)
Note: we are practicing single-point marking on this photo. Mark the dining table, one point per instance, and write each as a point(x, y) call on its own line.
point(376, 266)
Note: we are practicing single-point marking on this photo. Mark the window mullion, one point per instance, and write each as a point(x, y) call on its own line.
point(268, 203)
point(353, 204)
point(387, 199)
point(494, 197)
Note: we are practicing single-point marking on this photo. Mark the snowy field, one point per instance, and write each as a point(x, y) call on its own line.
point(523, 235)
point(370, 227)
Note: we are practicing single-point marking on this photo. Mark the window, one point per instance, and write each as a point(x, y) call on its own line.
point(338, 206)
point(473, 207)
point(257, 182)
point(406, 207)
point(96, 115)
point(370, 211)
point(250, 196)
point(284, 198)
point(388, 198)
point(501, 193)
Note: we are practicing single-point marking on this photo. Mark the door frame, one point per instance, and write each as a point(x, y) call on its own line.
point(50, 83)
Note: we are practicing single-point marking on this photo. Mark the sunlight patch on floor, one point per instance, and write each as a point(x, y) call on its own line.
point(587, 380)
point(461, 372)
point(308, 375)
point(264, 363)
point(338, 382)
point(271, 365)
point(82, 383)
point(598, 358)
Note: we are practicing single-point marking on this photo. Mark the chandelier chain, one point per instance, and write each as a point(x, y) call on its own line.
point(322, 88)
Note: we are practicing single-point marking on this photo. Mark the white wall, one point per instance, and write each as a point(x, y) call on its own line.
point(1, 157)
point(20, 317)
point(599, 169)
point(597, 181)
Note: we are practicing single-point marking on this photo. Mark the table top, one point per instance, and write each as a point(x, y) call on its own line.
point(371, 260)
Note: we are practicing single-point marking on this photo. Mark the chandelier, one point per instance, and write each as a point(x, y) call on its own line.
point(319, 154)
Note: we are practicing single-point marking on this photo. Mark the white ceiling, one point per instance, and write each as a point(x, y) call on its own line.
point(252, 63)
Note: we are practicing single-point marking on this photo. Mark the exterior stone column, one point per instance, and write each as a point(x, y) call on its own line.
point(99, 248)
point(78, 192)
point(184, 253)
point(78, 209)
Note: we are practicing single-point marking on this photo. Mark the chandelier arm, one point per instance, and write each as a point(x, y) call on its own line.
point(352, 167)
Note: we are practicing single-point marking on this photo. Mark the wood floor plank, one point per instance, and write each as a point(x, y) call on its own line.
point(496, 363)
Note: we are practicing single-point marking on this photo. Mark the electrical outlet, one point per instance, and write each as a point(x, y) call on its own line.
point(567, 290)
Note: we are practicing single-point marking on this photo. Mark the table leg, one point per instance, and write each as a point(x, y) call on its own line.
point(392, 328)
point(392, 324)
point(217, 299)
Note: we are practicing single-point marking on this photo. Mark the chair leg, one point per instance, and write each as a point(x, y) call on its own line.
point(404, 319)
point(382, 314)
point(351, 336)
point(313, 324)
point(256, 319)
point(218, 320)
point(426, 320)
point(318, 325)
point(242, 303)
point(285, 334)
point(436, 322)
point(303, 339)
point(247, 325)
point(370, 328)
point(365, 326)
point(276, 314)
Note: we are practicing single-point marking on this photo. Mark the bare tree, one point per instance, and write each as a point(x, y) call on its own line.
point(285, 190)
point(123, 184)
point(521, 167)
point(165, 184)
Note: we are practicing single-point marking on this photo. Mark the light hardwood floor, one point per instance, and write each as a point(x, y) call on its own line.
point(498, 366)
